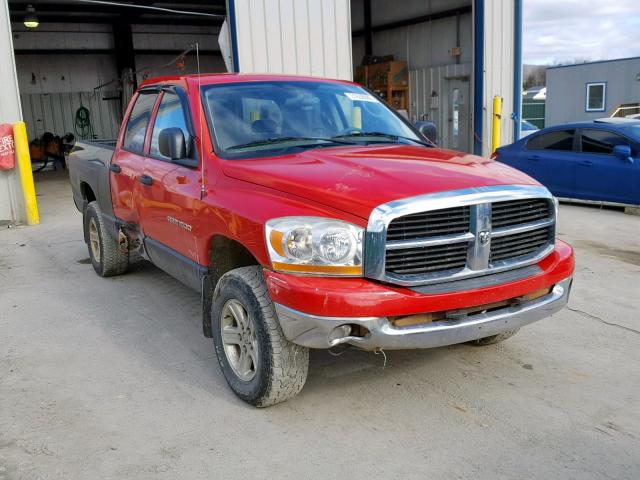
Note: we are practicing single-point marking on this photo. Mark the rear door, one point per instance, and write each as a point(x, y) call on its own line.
point(600, 175)
point(128, 159)
point(550, 158)
point(170, 190)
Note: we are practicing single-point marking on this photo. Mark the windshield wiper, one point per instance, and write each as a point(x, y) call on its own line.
point(276, 140)
point(382, 134)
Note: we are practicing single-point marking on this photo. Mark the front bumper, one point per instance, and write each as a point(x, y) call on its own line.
point(325, 332)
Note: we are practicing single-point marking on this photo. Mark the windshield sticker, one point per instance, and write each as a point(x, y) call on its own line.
point(360, 97)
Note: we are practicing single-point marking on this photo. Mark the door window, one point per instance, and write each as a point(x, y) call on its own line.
point(170, 115)
point(138, 121)
point(560, 140)
point(601, 141)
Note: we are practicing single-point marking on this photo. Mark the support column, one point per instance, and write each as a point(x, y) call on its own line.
point(368, 34)
point(11, 205)
point(123, 46)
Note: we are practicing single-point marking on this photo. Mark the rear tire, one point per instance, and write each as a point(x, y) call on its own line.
point(106, 257)
point(481, 342)
point(260, 365)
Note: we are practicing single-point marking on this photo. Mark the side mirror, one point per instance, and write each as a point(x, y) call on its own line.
point(623, 152)
point(428, 130)
point(172, 144)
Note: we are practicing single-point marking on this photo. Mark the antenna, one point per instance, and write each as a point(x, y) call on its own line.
point(202, 155)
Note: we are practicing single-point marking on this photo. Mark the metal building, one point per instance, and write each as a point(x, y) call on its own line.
point(587, 91)
point(460, 54)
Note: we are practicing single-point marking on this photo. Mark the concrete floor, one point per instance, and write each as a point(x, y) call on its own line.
point(112, 378)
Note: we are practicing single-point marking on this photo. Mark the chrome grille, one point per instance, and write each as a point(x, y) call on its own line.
point(511, 247)
point(430, 224)
point(455, 235)
point(505, 214)
point(427, 259)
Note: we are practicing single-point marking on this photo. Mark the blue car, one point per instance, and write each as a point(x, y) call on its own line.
point(598, 160)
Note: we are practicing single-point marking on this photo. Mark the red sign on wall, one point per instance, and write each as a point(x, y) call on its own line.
point(7, 147)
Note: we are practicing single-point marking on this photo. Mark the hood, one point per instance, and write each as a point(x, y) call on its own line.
point(358, 179)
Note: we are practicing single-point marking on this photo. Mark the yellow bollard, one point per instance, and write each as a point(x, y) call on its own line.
point(497, 116)
point(23, 159)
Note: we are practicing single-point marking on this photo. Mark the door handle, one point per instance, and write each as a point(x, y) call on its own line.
point(115, 168)
point(586, 163)
point(146, 180)
point(534, 158)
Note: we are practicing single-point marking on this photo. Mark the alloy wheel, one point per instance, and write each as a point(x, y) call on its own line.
point(239, 340)
point(94, 240)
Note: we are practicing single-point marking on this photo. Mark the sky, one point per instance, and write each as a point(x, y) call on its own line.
point(557, 31)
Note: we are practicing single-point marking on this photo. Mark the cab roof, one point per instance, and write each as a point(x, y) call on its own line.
point(218, 78)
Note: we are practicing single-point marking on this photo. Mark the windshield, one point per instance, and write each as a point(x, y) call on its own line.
point(269, 118)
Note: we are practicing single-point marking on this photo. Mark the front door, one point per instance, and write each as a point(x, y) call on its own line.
point(550, 158)
point(600, 175)
point(128, 159)
point(169, 191)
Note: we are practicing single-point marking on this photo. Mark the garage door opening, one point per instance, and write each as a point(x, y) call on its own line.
point(79, 62)
point(418, 56)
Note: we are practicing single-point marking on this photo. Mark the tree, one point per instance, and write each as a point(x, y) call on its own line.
point(534, 76)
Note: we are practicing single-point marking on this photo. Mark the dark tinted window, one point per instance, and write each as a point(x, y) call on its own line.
point(170, 115)
point(138, 121)
point(601, 141)
point(559, 140)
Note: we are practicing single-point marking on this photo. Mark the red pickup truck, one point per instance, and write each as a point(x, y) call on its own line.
point(311, 215)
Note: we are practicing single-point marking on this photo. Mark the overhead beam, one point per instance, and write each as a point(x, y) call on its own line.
point(104, 51)
point(103, 13)
point(19, 7)
point(415, 20)
point(102, 20)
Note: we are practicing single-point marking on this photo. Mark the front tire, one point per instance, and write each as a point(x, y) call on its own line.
point(260, 365)
point(106, 257)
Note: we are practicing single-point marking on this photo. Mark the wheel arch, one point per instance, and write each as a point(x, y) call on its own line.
point(225, 254)
point(88, 195)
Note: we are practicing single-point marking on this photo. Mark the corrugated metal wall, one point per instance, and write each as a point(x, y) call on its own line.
point(54, 73)
point(11, 206)
point(435, 74)
point(53, 85)
point(56, 113)
point(424, 105)
point(305, 37)
point(178, 37)
point(422, 45)
point(499, 29)
point(567, 89)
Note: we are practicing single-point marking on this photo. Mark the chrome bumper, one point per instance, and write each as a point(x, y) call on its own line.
point(324, 332)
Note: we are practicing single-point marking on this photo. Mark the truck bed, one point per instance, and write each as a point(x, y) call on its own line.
point(89, 164)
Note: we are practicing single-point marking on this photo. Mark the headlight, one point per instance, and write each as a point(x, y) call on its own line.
point(315, 245)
